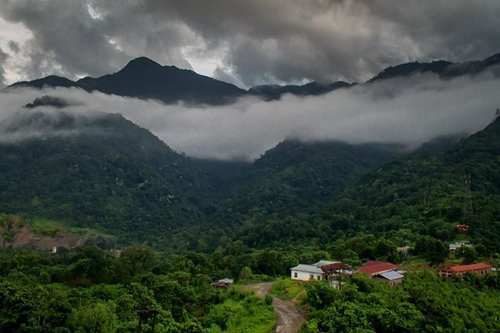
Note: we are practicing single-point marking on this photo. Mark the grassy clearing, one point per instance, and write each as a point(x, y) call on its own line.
point(45, 227)
point(53, 228)
point(287, 289)
point(416, 264)
point(241, 312)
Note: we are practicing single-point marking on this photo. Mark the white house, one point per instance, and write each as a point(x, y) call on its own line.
point(310, 272)
point(306, 272)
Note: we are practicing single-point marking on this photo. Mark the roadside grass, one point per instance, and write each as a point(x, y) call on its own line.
point(241, 312)
point(287, 289)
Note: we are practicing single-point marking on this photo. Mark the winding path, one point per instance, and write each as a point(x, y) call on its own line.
point(289, 318)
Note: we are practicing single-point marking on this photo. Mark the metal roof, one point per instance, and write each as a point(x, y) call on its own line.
point(307, 269)
point(376, 267)
point(392, 275)
point(325, 262)
point(471, 267)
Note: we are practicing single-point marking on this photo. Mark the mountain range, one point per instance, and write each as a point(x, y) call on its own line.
point(101, 171)
point(146, 79)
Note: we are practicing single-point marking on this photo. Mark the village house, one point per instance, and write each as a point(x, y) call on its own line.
point(382, 271)
point(310, 272)
point(335, 272)
point(479, 269)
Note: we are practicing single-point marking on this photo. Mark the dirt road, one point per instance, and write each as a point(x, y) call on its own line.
point(289, 319)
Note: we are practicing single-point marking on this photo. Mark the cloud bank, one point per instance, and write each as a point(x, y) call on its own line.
point(250, 42)
point(403, 111)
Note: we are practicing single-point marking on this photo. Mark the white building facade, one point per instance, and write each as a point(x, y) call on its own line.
point(309, 272)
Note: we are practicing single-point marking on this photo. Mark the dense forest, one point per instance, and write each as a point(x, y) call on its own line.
point(123, 183)
point(139, 290)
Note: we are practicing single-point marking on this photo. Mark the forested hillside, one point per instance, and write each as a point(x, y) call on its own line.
point(428, 194)
point(106, 173)
point(99, 171)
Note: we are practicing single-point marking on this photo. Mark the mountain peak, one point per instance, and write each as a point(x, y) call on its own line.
point(142, 63)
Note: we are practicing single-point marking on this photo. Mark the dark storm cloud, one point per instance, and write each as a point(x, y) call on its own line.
point(256, 41)
point(66, 39)
point(14, 47)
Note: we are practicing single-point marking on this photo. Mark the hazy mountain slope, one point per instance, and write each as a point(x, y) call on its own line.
point(444, 69)
point(51, 81)
point(295, 176)
point(99, 170)
point(427, 194)
point(274, 92)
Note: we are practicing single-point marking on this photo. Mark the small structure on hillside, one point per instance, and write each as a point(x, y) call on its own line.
point(403, 249)
point(462, 228)
point(479, 269)
point(222, 283)
point(54, 249)
point(455, 246)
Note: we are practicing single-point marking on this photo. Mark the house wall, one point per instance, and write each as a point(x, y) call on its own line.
point(305, 276)
point(389, 282)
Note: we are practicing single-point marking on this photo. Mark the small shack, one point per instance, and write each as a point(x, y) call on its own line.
point(393, 278)
point(222, 283)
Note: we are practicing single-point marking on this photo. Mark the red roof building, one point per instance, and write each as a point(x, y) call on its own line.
point(373, 267)
point(479, 269)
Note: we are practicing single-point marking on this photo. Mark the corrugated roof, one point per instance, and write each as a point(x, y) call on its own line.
point(372, 263)
point(335, 267)
point(325, 262)
point(392, 275)
point(375, 267)
point(472, 267)
point(307, 269)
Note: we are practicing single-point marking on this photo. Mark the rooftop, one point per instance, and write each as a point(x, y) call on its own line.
point(335, 267)
point(376, 267)
point(325, 262)
point(465, 268)
point(392, 275)
point(307, 268)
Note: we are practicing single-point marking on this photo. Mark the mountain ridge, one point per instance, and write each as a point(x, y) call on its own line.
point(147, 79)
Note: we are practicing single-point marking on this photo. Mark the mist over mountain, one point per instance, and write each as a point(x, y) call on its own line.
point(409, 107)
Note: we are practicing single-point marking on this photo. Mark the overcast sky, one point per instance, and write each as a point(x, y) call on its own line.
point(245, 42)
